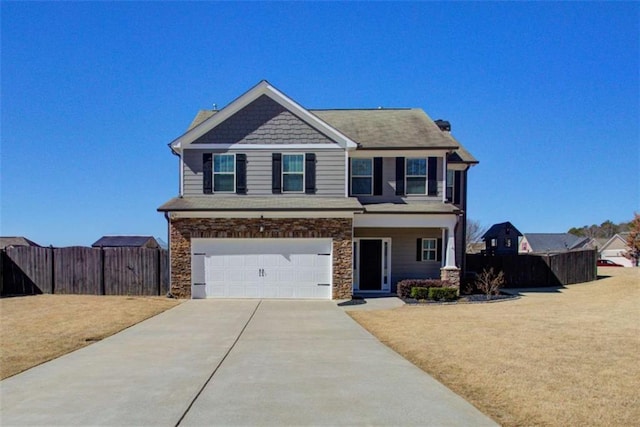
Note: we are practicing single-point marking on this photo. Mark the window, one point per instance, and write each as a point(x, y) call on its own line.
point(494, 243)
point(429, 249)
point(224, 173)
point(507, 242)
point(416, 176)
point(451, 176)
point(292, 173)
point(361, 176)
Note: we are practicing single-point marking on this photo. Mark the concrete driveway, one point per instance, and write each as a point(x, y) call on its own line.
point(235, 362)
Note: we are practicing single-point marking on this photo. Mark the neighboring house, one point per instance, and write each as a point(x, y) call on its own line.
point(126, 241)
point(277, 201)
point(552, 242)
point(6, 242)
point(502, 239)
point(615, 248)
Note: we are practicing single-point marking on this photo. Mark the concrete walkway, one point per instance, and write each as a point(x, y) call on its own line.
point(234, 362)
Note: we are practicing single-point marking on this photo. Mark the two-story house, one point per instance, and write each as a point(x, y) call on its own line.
point(278, 201)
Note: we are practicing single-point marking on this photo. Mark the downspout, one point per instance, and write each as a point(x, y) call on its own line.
point(167, 216)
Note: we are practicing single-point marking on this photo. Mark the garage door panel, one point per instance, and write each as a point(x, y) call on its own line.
point(264, 268)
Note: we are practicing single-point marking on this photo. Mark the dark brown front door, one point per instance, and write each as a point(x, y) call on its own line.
point(370, 265)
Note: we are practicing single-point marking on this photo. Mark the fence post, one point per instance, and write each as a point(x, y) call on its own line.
point(159, 271)
point(103, 290)
point(53, 270)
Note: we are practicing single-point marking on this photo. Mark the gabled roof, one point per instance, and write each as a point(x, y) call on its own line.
point(16, 241)
point(555, 242)
point(125, 241)
point(380, 129)
point(263, 88)
point(620, 236)
point(495, 229)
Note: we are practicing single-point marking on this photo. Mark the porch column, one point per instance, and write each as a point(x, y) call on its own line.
point(450, 251)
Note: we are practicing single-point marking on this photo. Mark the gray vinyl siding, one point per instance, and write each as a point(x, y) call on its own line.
point(389, 185)
point(264, 121)
point(403, 252)
point(330, 172)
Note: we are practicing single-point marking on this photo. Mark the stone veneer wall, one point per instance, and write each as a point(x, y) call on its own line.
point(183, 229)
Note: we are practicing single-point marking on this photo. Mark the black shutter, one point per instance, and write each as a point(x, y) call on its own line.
point(432, 176)
point(241, 174)
point(349, 176)
point(456, 187)
point(377, 176)
point(310, 173)
point(207, 173)
point(276, 172)
point(439, 250)
point(399, 176)
point(419, 250)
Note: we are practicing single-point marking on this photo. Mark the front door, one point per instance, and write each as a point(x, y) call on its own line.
point(370, 265)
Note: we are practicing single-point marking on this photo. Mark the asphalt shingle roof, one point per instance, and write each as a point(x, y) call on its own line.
point(213, 203)
point(16, 241)
point(554, 242)
point(412, 207)
point(120, 241)
point(390, 129)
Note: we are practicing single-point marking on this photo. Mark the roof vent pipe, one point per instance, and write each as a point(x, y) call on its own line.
point(443, 125)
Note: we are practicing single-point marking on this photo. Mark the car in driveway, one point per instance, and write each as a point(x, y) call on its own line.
point(607, 263)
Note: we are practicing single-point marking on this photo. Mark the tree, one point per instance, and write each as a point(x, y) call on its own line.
point(475, 231)
point(633, 240)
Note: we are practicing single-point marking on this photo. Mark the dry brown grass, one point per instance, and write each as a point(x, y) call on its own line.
point(35, 329)
point(561, 358)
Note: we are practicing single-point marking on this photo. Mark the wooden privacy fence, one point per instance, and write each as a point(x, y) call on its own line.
point(532, 270)
point(81, 270)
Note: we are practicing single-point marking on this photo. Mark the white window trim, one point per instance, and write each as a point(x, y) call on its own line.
point(304, 171)
point(434, 249)
point(213, 172)
point(407, 176)
point(370, 193)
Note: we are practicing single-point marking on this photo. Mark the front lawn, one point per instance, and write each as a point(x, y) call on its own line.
point(35, 329)
point(553, 357)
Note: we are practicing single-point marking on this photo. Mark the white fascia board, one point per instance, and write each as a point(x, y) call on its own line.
point(418, 152)
point(405, 220)
point(252, 147)
point(261, 214)
point(262, 88)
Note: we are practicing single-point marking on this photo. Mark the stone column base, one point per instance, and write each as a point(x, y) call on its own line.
point(451, 275)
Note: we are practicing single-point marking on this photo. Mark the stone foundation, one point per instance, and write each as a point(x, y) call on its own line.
point(183, 229)
point(451, 275)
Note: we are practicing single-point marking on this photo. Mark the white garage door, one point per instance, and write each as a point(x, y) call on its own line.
point(261, 268)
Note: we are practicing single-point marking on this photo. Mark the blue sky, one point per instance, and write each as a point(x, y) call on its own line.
point(545, 95)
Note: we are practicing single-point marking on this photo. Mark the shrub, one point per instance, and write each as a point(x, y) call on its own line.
point(420, 292)
point(404, 286)
point(446, 294)
point(489, 282)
